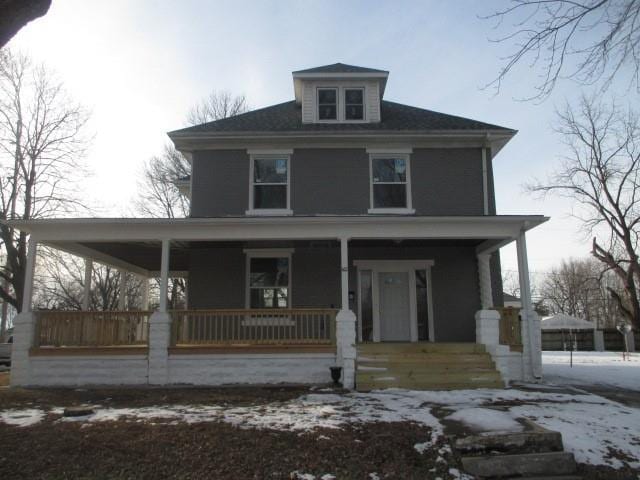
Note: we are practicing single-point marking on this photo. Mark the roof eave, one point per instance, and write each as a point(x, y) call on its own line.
point(187, 142)
point(492, 133)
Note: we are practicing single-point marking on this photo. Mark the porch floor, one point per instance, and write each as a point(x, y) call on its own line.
point(425, 366)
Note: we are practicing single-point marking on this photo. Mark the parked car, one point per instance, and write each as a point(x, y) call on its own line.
point(5, 352)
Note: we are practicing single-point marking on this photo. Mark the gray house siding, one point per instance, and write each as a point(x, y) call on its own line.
point(444, 181)
point(217, 280)
point(447, 181)
point(315, 276)
point(330, 181)
point(216, 277)
point(220, 183)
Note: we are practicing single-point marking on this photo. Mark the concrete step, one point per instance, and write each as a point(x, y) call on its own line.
point(426, 376)
point(427, 368)
point(428, 358)
point(536, 440)
point(521, 465)
point(420, 347)
point(366, 386)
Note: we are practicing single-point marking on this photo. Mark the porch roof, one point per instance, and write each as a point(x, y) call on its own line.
point(116, 241)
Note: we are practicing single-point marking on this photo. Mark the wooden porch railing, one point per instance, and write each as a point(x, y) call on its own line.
point(510, 329)
point(298, 326)
point(91, 329)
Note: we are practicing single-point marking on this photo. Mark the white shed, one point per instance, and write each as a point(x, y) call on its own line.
point(562, 321)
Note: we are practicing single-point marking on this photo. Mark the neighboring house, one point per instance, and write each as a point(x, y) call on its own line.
point(509, 300)
point(336, 228)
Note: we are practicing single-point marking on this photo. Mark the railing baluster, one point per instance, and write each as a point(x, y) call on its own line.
point(194, 327)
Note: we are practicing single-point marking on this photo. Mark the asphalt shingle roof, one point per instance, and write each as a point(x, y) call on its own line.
point(287, 117)
point(340, 68)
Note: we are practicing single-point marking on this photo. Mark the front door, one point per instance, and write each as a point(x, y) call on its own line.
point(395, 314)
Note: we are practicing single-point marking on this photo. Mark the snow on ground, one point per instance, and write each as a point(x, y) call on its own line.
point(22, 418)
point(592, 368)
point(485, 419)
point(590, 424)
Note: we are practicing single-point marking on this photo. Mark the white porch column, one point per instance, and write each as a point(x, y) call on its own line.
point(164, 275)
point(344, 273)
point(122, 291)
point(145, 293)
point(484, 272)
point(345, 323)
point(160, 327)
point(27, 292)
point(531, 336)
point(86, 294)
point(24, 324)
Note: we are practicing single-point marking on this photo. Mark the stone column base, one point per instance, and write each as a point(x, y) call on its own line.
point(159, 338)
point(346, 347)
point(488, 327)
point(23, 330)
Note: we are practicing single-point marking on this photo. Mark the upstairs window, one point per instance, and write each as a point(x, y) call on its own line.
point(390, 184)
point(354, 104)
point(327, 103)
point(269, 183)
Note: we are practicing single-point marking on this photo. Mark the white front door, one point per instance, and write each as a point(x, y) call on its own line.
point(388, 300)
point(395, 314)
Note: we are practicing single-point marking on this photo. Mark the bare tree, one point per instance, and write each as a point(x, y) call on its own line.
point(41, 141)
point(511, 283)
point(601, 174)
point(159, 192)
point(584, 40)
point(60, 286)
point(581, 288)
point(219, 104)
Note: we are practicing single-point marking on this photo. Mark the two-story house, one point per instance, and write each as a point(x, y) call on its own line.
point(337, 229)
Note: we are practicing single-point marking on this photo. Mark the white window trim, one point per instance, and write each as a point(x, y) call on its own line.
point(408, 209)
point(410, 266)
point(341, 103)
point(265, 154)
point(266, 253)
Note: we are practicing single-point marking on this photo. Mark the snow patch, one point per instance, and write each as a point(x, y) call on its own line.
point(302, 476)
point(22, 418)
point(592, 368)
point(486, 419)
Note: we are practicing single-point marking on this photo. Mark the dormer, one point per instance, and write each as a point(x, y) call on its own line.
point(340, 93)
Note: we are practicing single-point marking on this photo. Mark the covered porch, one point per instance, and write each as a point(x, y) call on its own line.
point(290, 296)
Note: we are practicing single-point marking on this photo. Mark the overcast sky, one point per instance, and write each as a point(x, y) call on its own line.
point(139, 66)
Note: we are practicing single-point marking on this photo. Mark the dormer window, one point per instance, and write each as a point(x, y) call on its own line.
point(327, 103)
point(354, 104)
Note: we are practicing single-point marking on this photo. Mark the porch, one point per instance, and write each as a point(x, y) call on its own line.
point(263, 297)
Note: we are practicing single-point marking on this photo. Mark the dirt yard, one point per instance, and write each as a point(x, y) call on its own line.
point(206, 450)
point(238, 433)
